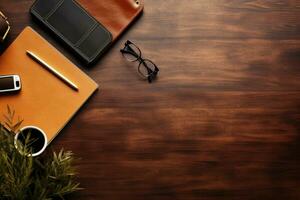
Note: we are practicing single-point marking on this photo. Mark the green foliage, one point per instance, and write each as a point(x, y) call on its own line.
point(49, 176)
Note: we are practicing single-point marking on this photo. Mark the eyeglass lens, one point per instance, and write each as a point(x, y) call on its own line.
point(146, 68)
point(132, 52)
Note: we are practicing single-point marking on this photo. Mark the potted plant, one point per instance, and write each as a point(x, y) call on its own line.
point(48, 176)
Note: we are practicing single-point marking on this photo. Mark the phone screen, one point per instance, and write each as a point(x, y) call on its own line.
point(7, 83)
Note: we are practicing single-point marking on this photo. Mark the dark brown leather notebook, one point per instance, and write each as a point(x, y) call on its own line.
point(74, 26)
point(114, 15)
point(87, 26)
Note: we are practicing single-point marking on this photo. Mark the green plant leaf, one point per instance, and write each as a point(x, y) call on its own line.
point(33, 178)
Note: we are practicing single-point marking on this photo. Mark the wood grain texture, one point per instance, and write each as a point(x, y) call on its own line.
point(221, 122)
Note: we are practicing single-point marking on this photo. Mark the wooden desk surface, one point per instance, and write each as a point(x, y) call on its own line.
point(222, 121)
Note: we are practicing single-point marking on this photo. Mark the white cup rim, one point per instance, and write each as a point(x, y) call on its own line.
point(40, 130)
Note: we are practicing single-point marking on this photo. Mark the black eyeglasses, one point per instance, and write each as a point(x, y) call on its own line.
point(4, 27)
point(147, 69)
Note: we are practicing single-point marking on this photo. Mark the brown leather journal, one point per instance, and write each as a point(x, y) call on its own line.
point(115, 15)
point(44, 100)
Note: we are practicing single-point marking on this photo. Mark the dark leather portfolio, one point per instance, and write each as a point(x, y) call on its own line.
point(87, 26)
point(73, 25)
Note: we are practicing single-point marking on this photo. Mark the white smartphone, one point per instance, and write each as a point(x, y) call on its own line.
point(10, 83)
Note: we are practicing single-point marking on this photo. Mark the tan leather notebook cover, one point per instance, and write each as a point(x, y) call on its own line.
point(44, 100)
point(115, 15)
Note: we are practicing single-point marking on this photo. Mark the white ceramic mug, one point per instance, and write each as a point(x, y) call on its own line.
point(38, 135)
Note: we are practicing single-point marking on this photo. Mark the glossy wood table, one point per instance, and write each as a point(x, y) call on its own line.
point(221, 122)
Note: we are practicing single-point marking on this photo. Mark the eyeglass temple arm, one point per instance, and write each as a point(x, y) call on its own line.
point(8, 26)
